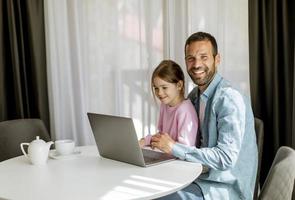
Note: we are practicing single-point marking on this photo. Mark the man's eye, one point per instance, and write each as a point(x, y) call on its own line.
point(204, 57)
point(190, 59)
point(164, 88)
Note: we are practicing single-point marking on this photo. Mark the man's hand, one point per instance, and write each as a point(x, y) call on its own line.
point(163, 142)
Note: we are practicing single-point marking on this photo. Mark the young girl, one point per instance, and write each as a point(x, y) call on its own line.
point(177, 117)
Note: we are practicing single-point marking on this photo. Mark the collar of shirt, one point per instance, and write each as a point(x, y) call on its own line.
point(210, 89)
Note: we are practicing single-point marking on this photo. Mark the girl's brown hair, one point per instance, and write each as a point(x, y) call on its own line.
point(170, 72)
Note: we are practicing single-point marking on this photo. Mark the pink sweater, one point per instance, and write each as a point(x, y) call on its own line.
point(180, 122)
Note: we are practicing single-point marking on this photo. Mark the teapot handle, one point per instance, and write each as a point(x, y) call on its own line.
point(22, 148)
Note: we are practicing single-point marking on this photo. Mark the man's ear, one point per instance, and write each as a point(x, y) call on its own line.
point(217, 59)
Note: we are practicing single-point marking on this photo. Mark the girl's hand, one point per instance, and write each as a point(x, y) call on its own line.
point(141, 142)
point(163, 142)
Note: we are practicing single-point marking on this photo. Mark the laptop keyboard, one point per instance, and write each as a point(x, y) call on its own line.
point(151, 156)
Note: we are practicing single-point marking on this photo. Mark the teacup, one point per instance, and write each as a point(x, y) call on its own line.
point(64, 147)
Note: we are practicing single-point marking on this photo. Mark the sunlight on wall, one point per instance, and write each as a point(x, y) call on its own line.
point(105, 52)
point(127, 46)
point(124, 59)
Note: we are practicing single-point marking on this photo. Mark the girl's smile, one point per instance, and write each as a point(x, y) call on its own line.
point(167, 93)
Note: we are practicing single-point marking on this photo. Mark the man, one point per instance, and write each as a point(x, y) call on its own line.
point(227, 146)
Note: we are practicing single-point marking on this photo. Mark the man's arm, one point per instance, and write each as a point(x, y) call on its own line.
point(230, 115)
point(163, 142)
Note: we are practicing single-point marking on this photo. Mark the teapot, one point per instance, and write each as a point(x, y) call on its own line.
point(38, 151)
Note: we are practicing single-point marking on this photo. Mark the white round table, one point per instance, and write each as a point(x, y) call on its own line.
point(88, 176)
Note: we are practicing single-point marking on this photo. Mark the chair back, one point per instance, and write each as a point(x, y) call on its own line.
point(14, 132)
point(279, 182)
point(259, 129)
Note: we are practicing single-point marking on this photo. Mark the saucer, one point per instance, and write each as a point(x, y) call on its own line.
point(53, 154)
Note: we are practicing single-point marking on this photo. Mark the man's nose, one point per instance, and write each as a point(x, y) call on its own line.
point(198, 63)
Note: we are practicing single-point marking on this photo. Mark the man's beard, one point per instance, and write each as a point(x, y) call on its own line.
point(207, 79)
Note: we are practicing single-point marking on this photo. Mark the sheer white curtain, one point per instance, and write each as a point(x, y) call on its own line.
point(101, 53)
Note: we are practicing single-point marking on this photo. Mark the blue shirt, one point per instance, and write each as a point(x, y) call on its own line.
point(228, 145)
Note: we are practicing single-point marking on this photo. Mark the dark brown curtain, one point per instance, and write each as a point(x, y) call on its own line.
point(23, 83)
point(272, 63)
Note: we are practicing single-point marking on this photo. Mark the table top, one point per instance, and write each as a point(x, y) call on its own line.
point(88, 176)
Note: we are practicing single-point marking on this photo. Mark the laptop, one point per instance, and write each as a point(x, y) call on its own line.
point(116, 139)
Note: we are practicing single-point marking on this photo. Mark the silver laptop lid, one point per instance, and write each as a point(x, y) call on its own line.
point(116, 138)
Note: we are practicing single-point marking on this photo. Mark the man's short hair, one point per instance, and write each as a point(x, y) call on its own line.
point(201, 36)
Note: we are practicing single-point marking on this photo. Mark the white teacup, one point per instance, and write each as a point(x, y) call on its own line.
point(64, 147)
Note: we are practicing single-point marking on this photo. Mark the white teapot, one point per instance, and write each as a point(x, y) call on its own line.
point(38, 151)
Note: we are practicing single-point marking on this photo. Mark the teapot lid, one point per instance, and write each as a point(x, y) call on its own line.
point(38, 140)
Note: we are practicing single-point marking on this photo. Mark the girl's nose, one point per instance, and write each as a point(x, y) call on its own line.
point(160, 92)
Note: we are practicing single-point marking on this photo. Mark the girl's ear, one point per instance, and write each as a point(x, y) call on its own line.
point(179, 85)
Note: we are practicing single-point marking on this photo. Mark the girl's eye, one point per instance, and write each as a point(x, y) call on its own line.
point(164, 88)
